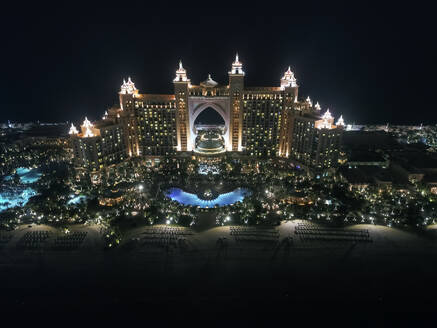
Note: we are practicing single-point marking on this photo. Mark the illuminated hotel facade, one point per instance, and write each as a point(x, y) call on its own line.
point(259, 121)
point(99, 144)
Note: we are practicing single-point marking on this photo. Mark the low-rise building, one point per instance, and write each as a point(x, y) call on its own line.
point(366, 158)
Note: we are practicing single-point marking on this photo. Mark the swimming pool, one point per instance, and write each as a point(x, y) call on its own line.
point(187, 198)
point(18, 195)
point(15, 197)
point(77, 200)
point(27, 175)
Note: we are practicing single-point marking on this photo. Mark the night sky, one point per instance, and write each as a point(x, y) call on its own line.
point(370, 67)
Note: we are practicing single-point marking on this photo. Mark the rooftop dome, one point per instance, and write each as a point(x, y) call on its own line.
point(209, 82)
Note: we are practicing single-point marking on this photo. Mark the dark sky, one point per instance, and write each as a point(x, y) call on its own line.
point(372, 67)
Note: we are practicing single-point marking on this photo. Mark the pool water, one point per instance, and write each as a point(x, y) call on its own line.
point(27, 176)
point(16, 197)
point(187, 198)
point(77, 200)
point(13, 195)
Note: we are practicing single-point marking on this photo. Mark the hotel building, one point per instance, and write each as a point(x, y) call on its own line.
point(259, 122)
point(100, 144)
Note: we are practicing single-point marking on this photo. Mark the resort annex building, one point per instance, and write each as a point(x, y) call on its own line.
point(258, 121)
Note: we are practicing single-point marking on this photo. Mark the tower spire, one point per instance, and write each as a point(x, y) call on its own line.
point(288, 80)
point(87, 123)
point(308, 100)
point(326, 121)
point(73, 130)
point(86, 128)
point(340, 121)
point(181, 74)
point(128, 87)
point(237, 66)
point(327, 115)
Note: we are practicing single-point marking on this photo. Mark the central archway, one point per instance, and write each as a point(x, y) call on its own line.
point(198, 104)
point(209, 117)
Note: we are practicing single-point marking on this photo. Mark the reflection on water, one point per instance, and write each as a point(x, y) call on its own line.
point(187, 198)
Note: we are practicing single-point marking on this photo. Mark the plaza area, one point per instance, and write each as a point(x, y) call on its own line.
point(296, 262)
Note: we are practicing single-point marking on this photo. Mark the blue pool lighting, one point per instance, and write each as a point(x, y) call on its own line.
point(187, 198)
